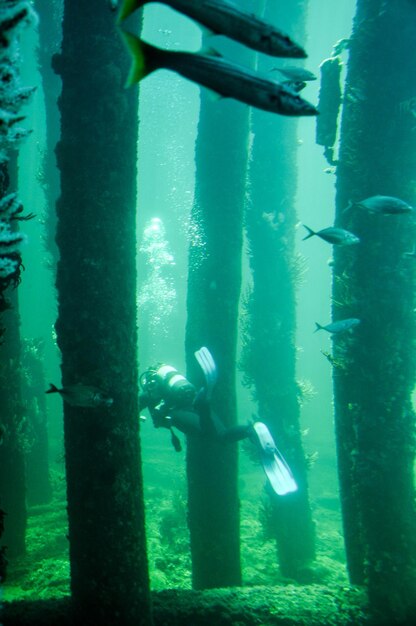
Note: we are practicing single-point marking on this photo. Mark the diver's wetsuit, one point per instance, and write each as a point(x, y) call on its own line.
point(195, 418)
point(173, 403)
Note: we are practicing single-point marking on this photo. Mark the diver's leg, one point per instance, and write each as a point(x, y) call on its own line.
point(234, 433)
point(213, 427)
point(187, 421)
point(206, 424)
point(210, 425)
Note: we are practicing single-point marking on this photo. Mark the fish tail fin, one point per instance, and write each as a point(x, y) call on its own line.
point(318, 327)
point(127, 8)
point(311, 232)
point(141, 53)
point(52, 389)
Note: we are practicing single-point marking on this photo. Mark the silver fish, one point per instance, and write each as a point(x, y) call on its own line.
point(212, 71)
point(339, 326)
point(82, 395)
point(388, 205)
point(225, 18)
point(334, 235)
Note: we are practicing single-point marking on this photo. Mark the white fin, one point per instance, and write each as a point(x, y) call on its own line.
point(276, 469)
point(209, 369)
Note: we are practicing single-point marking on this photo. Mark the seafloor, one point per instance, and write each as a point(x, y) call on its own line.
point(37, 588)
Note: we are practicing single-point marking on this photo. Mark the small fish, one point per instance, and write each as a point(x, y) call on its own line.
point(339, 326)
point(297, 74)
point(225, 18)
point(336, 236)
point(212, 71)
point(82, 395)
point(387, 205)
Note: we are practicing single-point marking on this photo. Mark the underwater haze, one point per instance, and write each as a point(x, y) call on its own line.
point(207, 333)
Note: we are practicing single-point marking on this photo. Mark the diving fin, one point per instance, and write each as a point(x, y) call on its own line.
point(276, 469)
point(208, 367)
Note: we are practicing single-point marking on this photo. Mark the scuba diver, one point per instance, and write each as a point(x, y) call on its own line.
point(173, 402)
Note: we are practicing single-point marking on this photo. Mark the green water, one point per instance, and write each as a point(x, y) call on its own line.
point(168, 109)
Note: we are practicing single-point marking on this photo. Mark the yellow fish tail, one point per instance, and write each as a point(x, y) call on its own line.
point(139, 66)
point(127, 8)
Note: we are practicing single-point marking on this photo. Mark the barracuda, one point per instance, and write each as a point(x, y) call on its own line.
point(224, 18)
point(212, 71)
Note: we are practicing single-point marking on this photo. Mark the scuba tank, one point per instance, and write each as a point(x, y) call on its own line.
point(167, 389)
point(164, 382)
